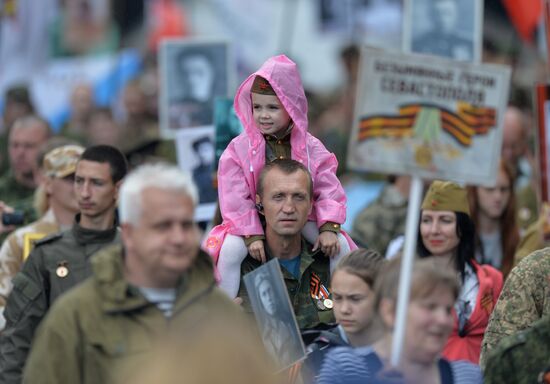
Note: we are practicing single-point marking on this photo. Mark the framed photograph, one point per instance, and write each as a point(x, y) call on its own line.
point(447, 28)
point(274, 314)
point(193, 73)
point(428, 116)
point(195, 151)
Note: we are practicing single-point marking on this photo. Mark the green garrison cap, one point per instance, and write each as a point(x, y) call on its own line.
point(446, 196)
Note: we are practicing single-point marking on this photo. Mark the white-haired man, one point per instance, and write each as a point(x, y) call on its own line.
point(157, 282)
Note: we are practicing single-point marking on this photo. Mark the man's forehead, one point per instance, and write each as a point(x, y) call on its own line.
point(32, 132)
point(278, 180)
point(93, 169)
point(176, 202)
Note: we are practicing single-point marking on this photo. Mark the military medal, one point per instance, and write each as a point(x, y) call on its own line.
point(62, 270)
point(320, 294)
point(320, 305)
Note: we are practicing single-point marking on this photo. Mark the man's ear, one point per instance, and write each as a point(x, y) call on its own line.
point(259, 205)
point(126, 234)
point(117, 189)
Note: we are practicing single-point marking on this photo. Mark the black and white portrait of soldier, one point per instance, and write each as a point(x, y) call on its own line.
point(203, 173)
point(274, 315)
point(195, 74)
point(445, 28)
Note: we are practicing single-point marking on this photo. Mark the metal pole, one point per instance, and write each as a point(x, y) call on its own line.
point(411, 230)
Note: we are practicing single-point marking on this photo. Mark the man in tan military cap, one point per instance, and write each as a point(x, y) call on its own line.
point(56, 194)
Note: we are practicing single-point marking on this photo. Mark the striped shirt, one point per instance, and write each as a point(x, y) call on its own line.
point(346, 365)
point(163, 298)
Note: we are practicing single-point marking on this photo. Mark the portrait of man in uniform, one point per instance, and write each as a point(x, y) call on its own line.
point(446, 28)
point(194, 74)
point(274, 314)
point(204, 171)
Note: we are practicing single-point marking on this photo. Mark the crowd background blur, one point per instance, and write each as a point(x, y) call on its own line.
point(90, 69)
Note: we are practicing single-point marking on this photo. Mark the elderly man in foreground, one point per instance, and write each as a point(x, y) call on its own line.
point(156, 284)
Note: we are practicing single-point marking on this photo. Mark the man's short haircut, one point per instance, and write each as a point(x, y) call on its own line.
point(28, 120)
point(286, 166)
point(161, 176)
point(108, 154)
point(184, 54)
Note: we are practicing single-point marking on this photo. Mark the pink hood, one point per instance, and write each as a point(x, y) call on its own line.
point(244, 158)
point(282, 73)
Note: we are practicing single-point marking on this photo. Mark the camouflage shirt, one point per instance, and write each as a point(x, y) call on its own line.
point(382, 220)
point(305, 307)
point(17, 196)
point(524, 299)
point(520, 358)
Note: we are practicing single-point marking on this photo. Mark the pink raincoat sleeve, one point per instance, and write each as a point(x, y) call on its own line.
point(237, 204)
point(328, 193)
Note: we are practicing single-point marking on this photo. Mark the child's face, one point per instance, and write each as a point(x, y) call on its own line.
point(269, 114)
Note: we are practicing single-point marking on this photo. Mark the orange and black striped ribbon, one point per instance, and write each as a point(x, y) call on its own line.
point(467, 122)
point(294, 372)
point(314, 285)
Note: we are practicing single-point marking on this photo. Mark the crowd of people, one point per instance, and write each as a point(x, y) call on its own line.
point(106, 276)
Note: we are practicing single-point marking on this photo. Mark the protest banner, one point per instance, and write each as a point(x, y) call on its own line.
point(428, 117)
point(193, 73)
point(274, 314)
point(431, 118)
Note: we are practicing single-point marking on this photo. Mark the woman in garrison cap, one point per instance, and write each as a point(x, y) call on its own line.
point(447, 234)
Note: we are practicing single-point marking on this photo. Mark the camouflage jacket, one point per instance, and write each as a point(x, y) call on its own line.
point(308, 315)
point(15, 249)
point(381, 221)
point(524, 299)
point(521, 358)
point(56, 264)
point(105, 329)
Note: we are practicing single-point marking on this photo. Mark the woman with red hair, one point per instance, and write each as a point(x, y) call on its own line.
point(493, 211)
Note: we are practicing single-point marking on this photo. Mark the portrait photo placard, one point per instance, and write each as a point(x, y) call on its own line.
point(196, 153)
point(193, 72)
point(448, 28)
point(428, 117)
point(274, 314)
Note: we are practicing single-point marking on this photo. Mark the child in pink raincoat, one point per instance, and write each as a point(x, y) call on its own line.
point(272, 107)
